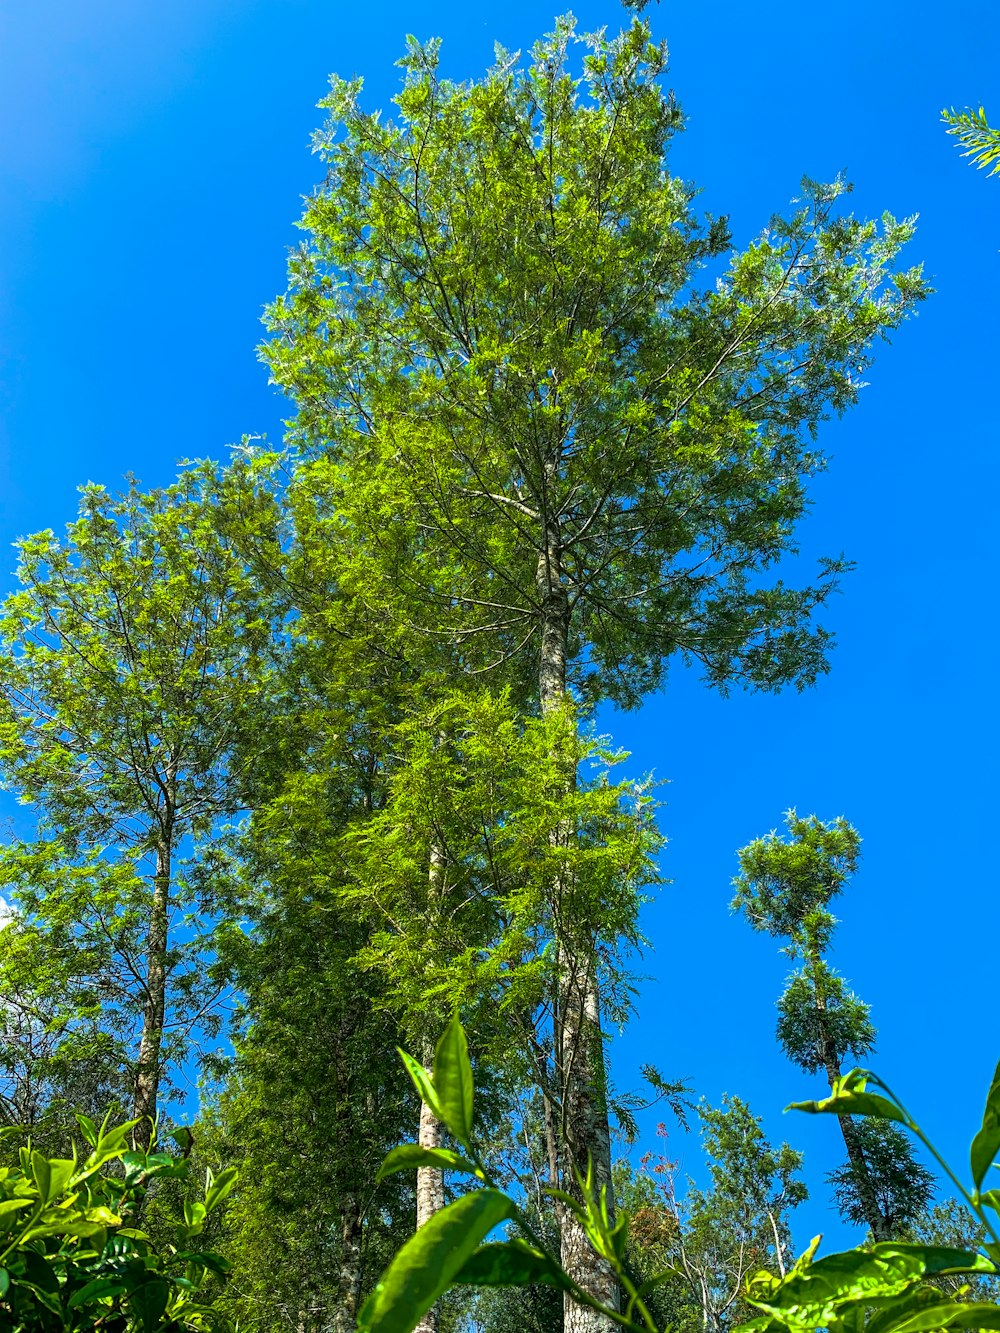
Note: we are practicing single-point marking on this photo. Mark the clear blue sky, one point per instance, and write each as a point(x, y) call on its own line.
point(151, 168)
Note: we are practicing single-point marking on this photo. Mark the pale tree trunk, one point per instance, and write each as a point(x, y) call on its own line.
point(349, 1278)
point(147, 1078)
point(831, 1061)
point(430, 1183)
point(579, 1047)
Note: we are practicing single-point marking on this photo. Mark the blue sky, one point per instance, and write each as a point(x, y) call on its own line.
point(151, 169)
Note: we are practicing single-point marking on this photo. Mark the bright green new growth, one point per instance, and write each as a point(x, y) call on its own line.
point(72, 1255)
point(513, 397)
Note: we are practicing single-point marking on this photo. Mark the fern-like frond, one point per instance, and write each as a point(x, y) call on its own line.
point(979, 139)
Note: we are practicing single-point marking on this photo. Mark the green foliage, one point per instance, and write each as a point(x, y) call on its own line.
point(846, 1020)
point(784, 888)
point(486, 789)
point(975, 134)
point(902, 1195)
point(134, 654)
point(888, 1287)
point(513, 385)
point(700, 1246)
point(72, 1257)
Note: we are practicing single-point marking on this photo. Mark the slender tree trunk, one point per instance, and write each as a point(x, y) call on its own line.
point(430, 1183)
point(147, 1078)
point(831, 1061)
point(349, 1281)
point(585, 1136)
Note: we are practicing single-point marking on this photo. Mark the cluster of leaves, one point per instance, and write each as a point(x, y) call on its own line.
point(73, 1256)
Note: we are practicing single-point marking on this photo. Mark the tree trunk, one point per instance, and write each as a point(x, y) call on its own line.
point(831, 1061)
point(147, 1077)
point(585, 1136)
point(349, 1283)
point(430, 1183)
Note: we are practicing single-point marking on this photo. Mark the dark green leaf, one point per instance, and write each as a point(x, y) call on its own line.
point(99, 1289)
point(512, 1263)
point(48, 1299)
point(183, 1137)
point(148, 1303)
point(453, 1081)
point(410, 1155)
point(427, 1264)
point(38, 1271)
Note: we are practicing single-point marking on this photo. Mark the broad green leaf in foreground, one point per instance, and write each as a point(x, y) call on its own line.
point(453, 1081)
point(850, 1098)
point(427, 1264)
point(410, 1155)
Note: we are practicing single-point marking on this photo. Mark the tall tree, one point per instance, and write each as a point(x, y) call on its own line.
point(134, 653)
point(552, 450)
point(784, 888)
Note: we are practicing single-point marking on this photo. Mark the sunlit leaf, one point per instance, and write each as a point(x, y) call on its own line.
point(427, 1264)
point(453, 1081)
point(410, 1155)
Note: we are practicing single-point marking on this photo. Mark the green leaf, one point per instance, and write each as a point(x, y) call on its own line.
point(936, 1260)
point(183, 1137)
point(421, 1080)
point(426, 1265)
point(953, 1315)
point(4, 1281)
point(206, 1259)
point(87, 1128)
point(511, 1263)
point(986, 1144)
point(991, 1198)
point(410, 1155)
point(453, 1081)
point(220, 1187)
point(46, 1298)
point(848, 1097)
point(99, 1289)
point(149, 1302)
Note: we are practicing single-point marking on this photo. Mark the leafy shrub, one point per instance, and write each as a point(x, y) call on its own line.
point(72, 1255)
